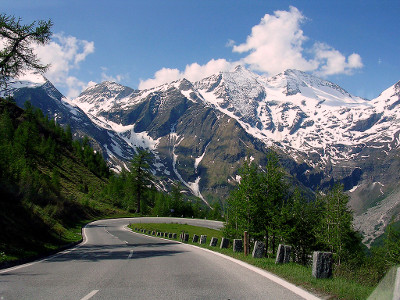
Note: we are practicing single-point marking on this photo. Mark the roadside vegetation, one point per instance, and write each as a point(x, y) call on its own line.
point(334, 288)
point(265, 206)
point(51, 185)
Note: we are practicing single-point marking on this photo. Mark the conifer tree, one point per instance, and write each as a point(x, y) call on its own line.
point(257, 202)
point(392, 245)
point(336, 230)
point(140, 176)
point(17, 54)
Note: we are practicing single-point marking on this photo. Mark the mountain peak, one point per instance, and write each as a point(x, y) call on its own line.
point(239, 68)
point(108, 87)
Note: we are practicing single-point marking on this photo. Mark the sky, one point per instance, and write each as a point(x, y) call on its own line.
point(142, 44)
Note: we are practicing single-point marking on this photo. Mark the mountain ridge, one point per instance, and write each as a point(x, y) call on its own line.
point(202, 131)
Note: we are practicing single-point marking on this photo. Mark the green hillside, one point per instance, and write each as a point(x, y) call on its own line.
point(49, 184)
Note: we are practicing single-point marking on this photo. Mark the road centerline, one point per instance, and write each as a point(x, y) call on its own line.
point(90, 295)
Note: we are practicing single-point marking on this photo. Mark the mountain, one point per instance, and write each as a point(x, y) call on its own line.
point(42, 94)
point(202, 131)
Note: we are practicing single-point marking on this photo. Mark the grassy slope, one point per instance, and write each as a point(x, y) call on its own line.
point(334, 288)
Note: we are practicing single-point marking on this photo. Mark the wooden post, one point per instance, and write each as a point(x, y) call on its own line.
point(246, 243)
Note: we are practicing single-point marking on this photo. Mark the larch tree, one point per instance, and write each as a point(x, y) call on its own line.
point(336, 230)
point(140, 175)
point(16, 47)
point(256, 204)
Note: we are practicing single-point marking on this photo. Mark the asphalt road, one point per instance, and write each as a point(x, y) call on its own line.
point(115, 263)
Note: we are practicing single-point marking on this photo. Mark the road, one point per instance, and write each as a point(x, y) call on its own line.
point(115, 263)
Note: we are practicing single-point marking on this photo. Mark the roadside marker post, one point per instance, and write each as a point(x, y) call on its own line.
point(246, 244)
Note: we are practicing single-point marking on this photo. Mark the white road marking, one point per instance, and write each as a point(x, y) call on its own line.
point(90, 295)
point(84, 241)
point(291, 287)
point(130, 254)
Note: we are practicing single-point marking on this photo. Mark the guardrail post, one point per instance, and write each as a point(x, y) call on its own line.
point(322, 264)
point(258, 250)
point(213, 242)
point(237, 245)
point(224, 243)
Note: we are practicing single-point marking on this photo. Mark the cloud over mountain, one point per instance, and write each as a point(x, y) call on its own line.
point(276, 43)
point(65, 53)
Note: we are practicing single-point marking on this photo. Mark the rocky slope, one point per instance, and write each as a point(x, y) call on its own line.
point(202, 131)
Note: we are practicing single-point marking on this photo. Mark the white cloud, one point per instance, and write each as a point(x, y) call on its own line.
point(275, 44)
point(192, 72)
point(331, 61)
point(106, 77)
point(65, 53)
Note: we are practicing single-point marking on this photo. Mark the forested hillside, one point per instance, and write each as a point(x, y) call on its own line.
point(51, 184)
point(48, 182)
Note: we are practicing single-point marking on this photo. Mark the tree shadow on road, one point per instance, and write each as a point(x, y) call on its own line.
point(96, 253)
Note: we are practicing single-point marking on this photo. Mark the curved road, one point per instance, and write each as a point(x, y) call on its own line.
point(115, 263)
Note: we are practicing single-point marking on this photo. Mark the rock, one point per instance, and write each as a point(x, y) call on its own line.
point(203, 239)
point(258, 250)
point(195, 238)
point(213, 242)
point(322, 264)
point(224, 243)
point(237, 245)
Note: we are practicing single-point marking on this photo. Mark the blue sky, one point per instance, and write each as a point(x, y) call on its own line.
point(144, 43)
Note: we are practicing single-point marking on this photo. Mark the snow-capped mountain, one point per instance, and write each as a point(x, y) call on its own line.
point(332, 134)
point(202, 131)
point(42, 94)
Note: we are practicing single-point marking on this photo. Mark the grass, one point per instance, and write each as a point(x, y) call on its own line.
point(178, 228)
point(333, 288)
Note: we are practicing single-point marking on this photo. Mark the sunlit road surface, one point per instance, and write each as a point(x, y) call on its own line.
point(115, 263)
